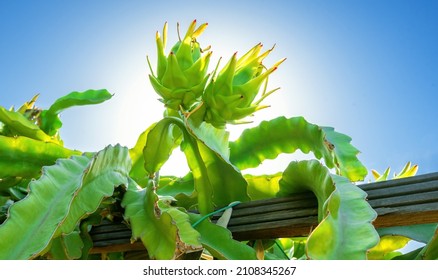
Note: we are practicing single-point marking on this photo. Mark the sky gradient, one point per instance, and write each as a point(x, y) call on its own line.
point(367, 68)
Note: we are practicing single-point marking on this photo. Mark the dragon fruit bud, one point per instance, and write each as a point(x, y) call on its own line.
point(230, 96)
point(182, 75)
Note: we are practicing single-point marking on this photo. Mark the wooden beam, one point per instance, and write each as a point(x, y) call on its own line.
point(399, 202)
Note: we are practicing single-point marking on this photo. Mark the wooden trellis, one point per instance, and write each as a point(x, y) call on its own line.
point(399, 202)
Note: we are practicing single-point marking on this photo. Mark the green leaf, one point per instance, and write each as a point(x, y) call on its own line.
point(33, 220)
point(263, 186)
point(277, 136)
point(345, 230)
point(24, 157)
point(204, 187)
point(410, 255)
point(219, 242)
point(50, 121)
point(162, 139)
point(67, 247)
point(345, 155)
point(226, 184)
point(430, 251)
point(73, 245)
point(78, 99)
point(293, 248)
point(299, 247)
point(57, 200)
point(282, 135)
point(57, 250)
point(421, 233)
point(109, 169)
point(213, 172)
point(186, 233)
point(212, 177)
point(8, 182)
point(85, 227)
point(279, 250)
point(21, 126)
point(18, 192)
point(387, 247)
point(182, 189)
point(5, 204)
point(173, 186)
point(138, 172)
point(216, 139)
point(160, 229)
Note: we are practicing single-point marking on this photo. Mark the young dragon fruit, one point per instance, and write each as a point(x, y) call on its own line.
point(230, 97)
point(182, 75)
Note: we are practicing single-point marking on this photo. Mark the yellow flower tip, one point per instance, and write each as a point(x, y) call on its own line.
point(165, 34)
point(206, 48)
point(191, 28)
point(199, 30)
point(271, 70)
point(376, 174)
point(278, 63)
point(177, 31)
point(157, 35)
point(271, 49)
point(261, 107)
point(258, 48)
point(150, 66)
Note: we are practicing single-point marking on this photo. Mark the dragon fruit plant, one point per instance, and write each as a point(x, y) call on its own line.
point(51, 195)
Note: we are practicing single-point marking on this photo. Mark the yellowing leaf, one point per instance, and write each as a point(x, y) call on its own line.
point(387, 246)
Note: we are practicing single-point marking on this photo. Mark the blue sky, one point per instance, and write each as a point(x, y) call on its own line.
point(367, 68)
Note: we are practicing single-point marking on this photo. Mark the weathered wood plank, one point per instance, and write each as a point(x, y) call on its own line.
point(124, 247)
point(413, 199)
point(122, 234)
point(407, 201)
point(430, 177)
point(273, 206)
